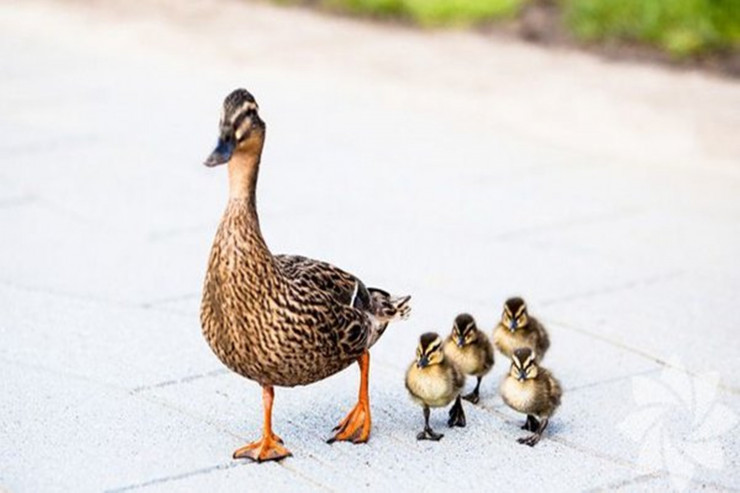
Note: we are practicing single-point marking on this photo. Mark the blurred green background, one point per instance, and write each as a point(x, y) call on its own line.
point(681, 28)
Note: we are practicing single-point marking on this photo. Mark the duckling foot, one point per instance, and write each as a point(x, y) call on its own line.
point(267, 448)
point(531, 424)
point(473, 397)
point(531, 440)
point(457, 415)
point(429, 434)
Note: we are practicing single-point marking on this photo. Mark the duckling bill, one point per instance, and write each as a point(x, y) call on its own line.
point(434, 381)
point(532, 390)
point(518, 329)
point(470, 350)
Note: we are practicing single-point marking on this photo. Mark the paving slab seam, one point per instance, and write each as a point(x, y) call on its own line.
point(186, 379)
point(566, 443)
point(617, 288)
point(655, 475)
point(611, 380)
point(18, 201)
point(660, 361)
point(87, 298)
point(592, 452)
point(65, 374)
point(626, 482)
point(206, 471)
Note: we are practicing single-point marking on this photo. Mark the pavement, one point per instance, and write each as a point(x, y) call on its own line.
point(458, 167)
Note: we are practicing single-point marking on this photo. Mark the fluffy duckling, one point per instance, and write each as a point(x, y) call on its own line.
point(470, 350)
point(434, 381)
point(518, 329)
point(532, 390)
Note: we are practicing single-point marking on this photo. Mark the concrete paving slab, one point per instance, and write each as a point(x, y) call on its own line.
point(383, 462)
point(103, 342)
point(461, 170)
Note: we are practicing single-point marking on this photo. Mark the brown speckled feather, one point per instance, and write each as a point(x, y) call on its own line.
point(284, 320)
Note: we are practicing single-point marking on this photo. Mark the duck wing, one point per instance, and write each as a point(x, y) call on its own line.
point(343, 287)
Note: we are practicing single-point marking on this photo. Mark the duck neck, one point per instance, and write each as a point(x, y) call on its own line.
point(242, 209)
point(243, 172)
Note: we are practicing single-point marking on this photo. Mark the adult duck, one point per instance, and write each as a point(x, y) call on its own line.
point(282, 320)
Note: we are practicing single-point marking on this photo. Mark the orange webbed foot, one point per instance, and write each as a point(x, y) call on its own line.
point(267, 448)
point(356, 426)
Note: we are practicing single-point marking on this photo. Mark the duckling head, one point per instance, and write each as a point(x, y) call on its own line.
point(523, 364)
point(464, 330)
point(240, 128)
point(515, 314)
point(429, 351)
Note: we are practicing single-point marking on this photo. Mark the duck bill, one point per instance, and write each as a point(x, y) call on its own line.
point(221, 154)
point(512, 326)
point(522, 376)
point(460, 342)
point(423, 362)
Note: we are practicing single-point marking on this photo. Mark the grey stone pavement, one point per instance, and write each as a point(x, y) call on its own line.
point(458, 168)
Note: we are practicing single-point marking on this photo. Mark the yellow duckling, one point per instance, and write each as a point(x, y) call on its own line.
point(470, 350)
point(434, 381)
point(532, 390)
point(518, 329)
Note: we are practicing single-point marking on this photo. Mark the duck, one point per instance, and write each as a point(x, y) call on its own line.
point(434, 381)
point(518, 329)
point(282, 320)
point(532, 390)
point(470, 350)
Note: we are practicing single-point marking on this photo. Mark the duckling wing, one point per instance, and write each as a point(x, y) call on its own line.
point(556, 390)
point(543, 339)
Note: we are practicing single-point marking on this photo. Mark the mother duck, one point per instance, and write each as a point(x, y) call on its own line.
point(282, 320)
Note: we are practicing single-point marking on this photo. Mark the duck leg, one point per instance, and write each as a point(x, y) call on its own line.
point(531, 424)
point(269, 447)
point(457, 415)
point(532, 439)
point(356, 426)
point(474, 396)
point(428, 433)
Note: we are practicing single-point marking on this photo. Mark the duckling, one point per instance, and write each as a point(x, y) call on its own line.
point(532, 390)
point(433, 381)
point(282, 320)
point(470, 350)
point(518, 329)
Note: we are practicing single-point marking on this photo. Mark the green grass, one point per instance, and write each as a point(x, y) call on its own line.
point(681, 27)
point(433, 12)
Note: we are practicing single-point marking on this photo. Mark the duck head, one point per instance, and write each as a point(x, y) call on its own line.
point(240, 128)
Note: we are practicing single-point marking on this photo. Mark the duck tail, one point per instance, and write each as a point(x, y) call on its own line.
point(386, 309)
